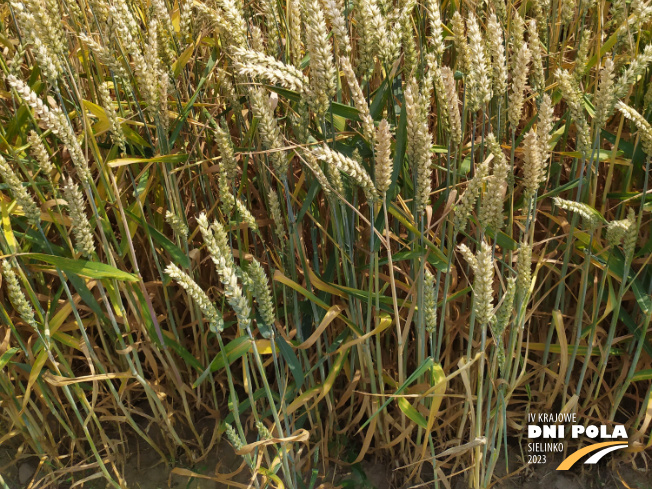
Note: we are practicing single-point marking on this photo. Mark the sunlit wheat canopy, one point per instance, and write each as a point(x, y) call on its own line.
point(325, 244)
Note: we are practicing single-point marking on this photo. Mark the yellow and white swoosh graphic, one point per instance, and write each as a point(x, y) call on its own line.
point(604, 448)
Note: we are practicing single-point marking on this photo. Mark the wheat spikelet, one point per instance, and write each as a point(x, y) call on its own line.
point(255, 64)
point(233, 437)
point(631, 236)
point(636, 68)
point(333, 11)
point(216, 323)
point(419, 143)
point(151, 71)
point(349, 166)
point(215, 239)
point(436, 31)
point(40, 153)
point(384, 163)
point(359, 100)
point(246, 216)
point(460, 42)
point(516, 39)
point(498, 61)
point(519, 85)
point(567, 11)
point(589, 215)
point(57, 122)
point(43, 34)
point(177, 224)
point(270, 11)
point(470, 195)
point(524, 269)
point(582, 55)
point(322, 69)
point(483, 284)
point(507, 307)
point(23, 198)
point(233, 14)
point(335, 182)
point(117, 135)
point(227, 199)
point(468, 255)
point(533, 164)
point(16, 296)
point(644, 127)
point(538, 76)
point(453, 105)
point(369, 19)
point(81, 228)
point(545, 122)
point(502, 320)
point(294, 30)
point(430, 302)
point(268, 130)
point(500, 9)
point(491, 210)
point(277, 216)
point(478, 84)
point(216, 242)
point(616, 230)
point(573, 98)
point(435, 79)
point(410, 55)
point(262, 293)
point(185, 24)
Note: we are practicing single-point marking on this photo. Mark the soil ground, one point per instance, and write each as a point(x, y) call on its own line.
point(144, 470)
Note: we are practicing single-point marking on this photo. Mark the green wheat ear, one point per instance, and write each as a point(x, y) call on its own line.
point(22, 196)
point(198, 295)
point(81, 228)
point(17, 296)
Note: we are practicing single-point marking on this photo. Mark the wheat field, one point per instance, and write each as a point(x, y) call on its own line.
point(323, 232)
